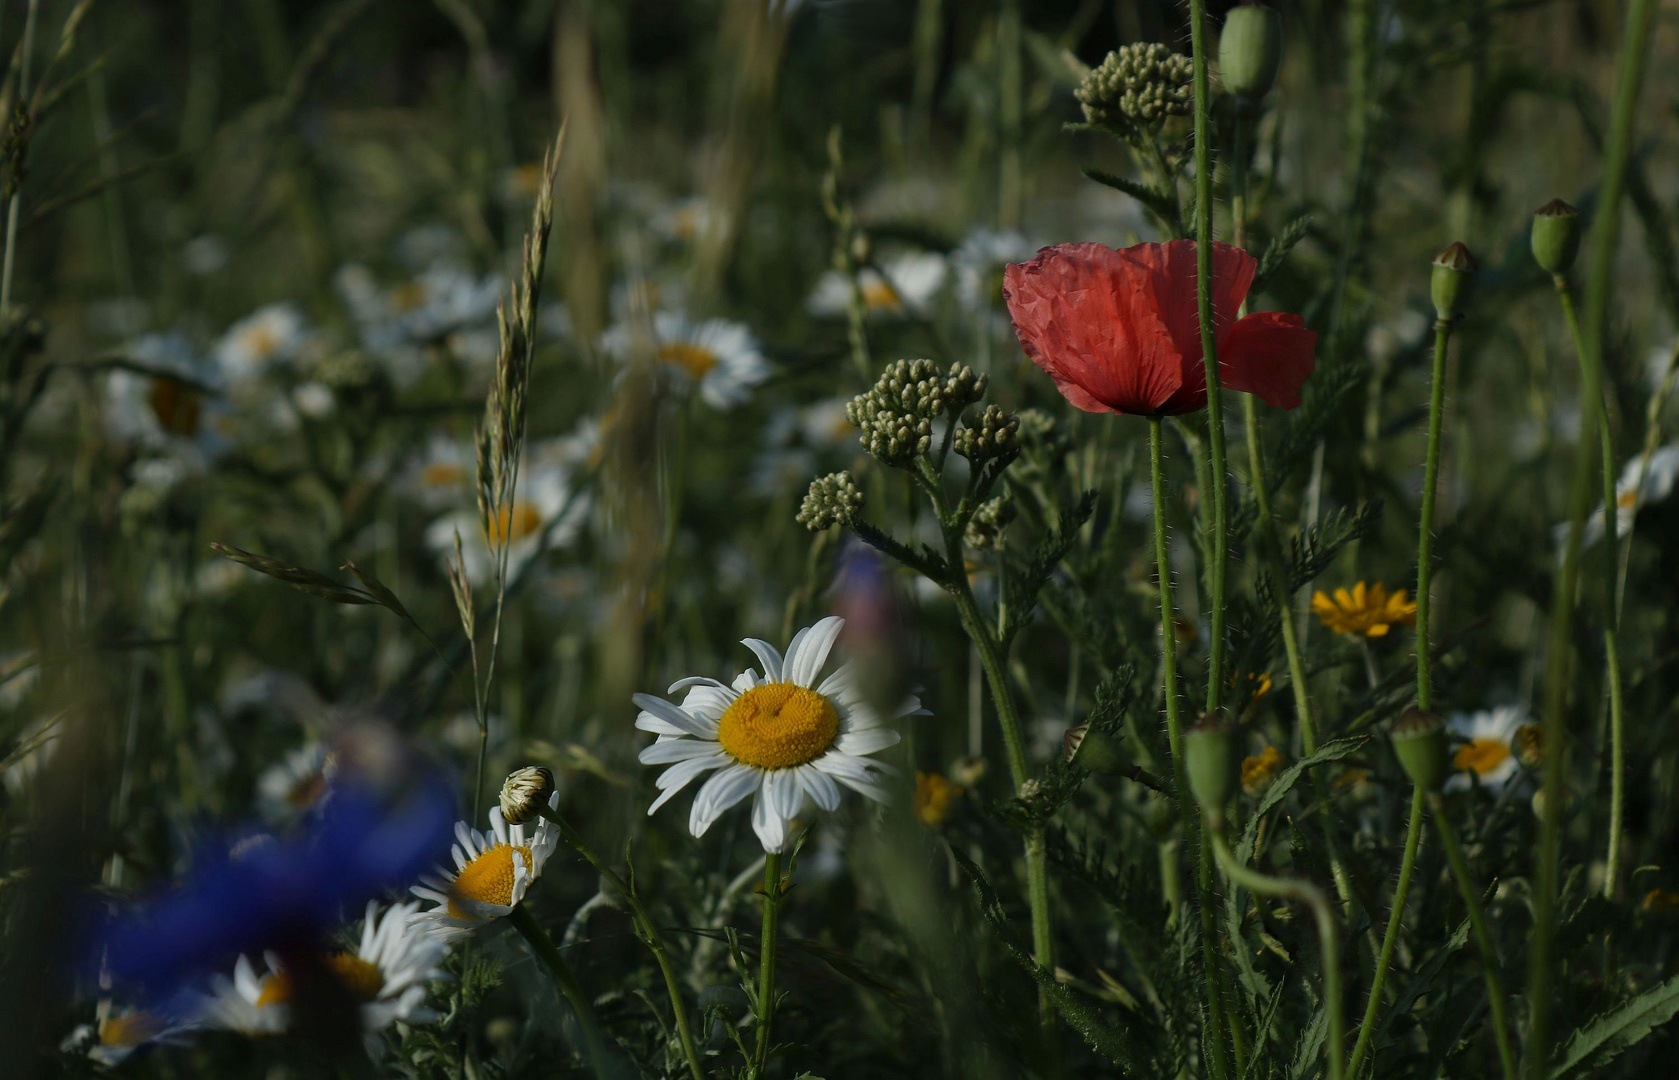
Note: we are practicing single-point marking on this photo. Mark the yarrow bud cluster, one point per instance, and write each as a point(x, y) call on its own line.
point(1137, 87)
point(985, 528)
point(896, 416)
point(525, 792)
point(832, 500)
point(994, 434)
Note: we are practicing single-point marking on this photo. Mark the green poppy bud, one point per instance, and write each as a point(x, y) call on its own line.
point(1250, 49)
point(1094, 750)
point(1419, 742)
point(1452, 268)
point(1556, 236)
point(1214, 763)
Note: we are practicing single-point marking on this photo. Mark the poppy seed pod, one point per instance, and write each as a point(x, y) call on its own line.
point(1419, 742)
point(1452, 268)
point(1094, 750)
point(1250, 50)
point(1556, 236)
point(525, 792)
point(1213, 761)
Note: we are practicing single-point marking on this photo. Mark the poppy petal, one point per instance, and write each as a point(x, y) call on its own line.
point(1085, 315)
point(1171, 274)
point(1269, 354)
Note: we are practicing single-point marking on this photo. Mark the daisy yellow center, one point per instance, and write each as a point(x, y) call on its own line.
point(130, 1030)
point(778, 726)
point(488, 879)
point(1626, 500)
point(1481, 755)
point(934, 798)
point(361, 978)
point(514, 523)
point(409, 296)
point(440, 474)
point(880, 295)
point(262, 341)
point(696, 360)
point(176, 407)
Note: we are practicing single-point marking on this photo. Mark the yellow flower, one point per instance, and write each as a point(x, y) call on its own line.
point(934, 798)
point(1663, 902)
point(1258, 771)
point(1367, 610)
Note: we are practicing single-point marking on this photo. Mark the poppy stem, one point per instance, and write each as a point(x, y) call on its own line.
point(1612, 621)
point(1425, 528)
point(1396, 917)
point(1483, 936)
point(1635, 51)
point(1213, 1037)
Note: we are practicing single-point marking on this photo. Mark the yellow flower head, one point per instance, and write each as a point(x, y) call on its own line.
point(934, 798)
point(1367, 610)
point(1663, 902)
point(1258, 771)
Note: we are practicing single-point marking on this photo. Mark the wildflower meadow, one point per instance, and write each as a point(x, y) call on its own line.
point(827, 539)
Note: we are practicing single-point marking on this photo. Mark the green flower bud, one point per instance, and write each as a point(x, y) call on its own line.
point(1214, 763)
point(1250, 49)
point(1452, 268)
point(1556, 236)
point(1419, 741)
point(1094, 750)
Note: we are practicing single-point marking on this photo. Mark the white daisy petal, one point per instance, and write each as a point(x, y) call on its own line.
point(674, 716)
point(805, 664)
point(672, 750)
point(820, 787)
point(767, 656)
point(770, 826)
point(785, 793)
point(724, 789)
point(678, 776)
point(867, 741)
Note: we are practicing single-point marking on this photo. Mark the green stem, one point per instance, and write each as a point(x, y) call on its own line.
point(646, 930)
point(1483, 936)
point(543, 946)
point(1214, 1040)
point(1209, 346)
point(766, 960)
point(1329, 943)
point(23, 97)
point(1425, 528)
point(1384, 959)
point(1605, 239)
point(1611, 631)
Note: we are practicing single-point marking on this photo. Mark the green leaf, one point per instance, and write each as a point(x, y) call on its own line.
point(310, 581)
point(1333, 750)
point(384, 596)
point(1160, 202)
point(1277, 250)
point(1310, 1047)
point(1600, 1041)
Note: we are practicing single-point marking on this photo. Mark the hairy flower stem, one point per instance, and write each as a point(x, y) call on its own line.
point(543, 946)
point(645, 930)
point(1483, 936)
point(1213, 1040)
point(1612, 621)
point(1209, 348)
point(766, 961)
point(1425, 527)
point(1396, 916)
point(1329, 945)
point(1635, 50)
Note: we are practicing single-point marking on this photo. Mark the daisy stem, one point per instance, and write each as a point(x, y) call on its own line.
point(1425, 528)
point(1483, 936)
point(646, 930)
point(1214, 1039)
point(1635, 50)
point(1209, 346)
point(1611, 625)
point(1396, 916)
point(1329, 944)
point(766, 961)
point(543, 946)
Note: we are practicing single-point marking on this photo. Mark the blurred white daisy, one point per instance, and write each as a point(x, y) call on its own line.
point(387, 974)
point(685, 220)
point(492, 872)
point(542, 505)
point(780, 738)
point(796, 442)
point(719, 358)
point(1489, 751)
point(1659, 479)
point(174, 409)
point(440, 475)
point(298, 784)
point(904, 285)
point(270, 335)
point(977, 265)
point(120, 1033)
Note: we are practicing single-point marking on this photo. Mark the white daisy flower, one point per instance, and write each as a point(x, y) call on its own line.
point(440, 475)
point(120, 1033)
point(721, 359)
point(795, 441)
point(542, 504)
point(977, 265)
point(270, 335)
point(780, 738)
point(904, 285)
point(172, 410)
point(492, 872)
point(1489, 752)
point(387, 974)
point(1659, 480)
point(302, 782)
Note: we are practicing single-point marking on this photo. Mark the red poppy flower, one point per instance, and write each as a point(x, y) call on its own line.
point(1118, 332)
